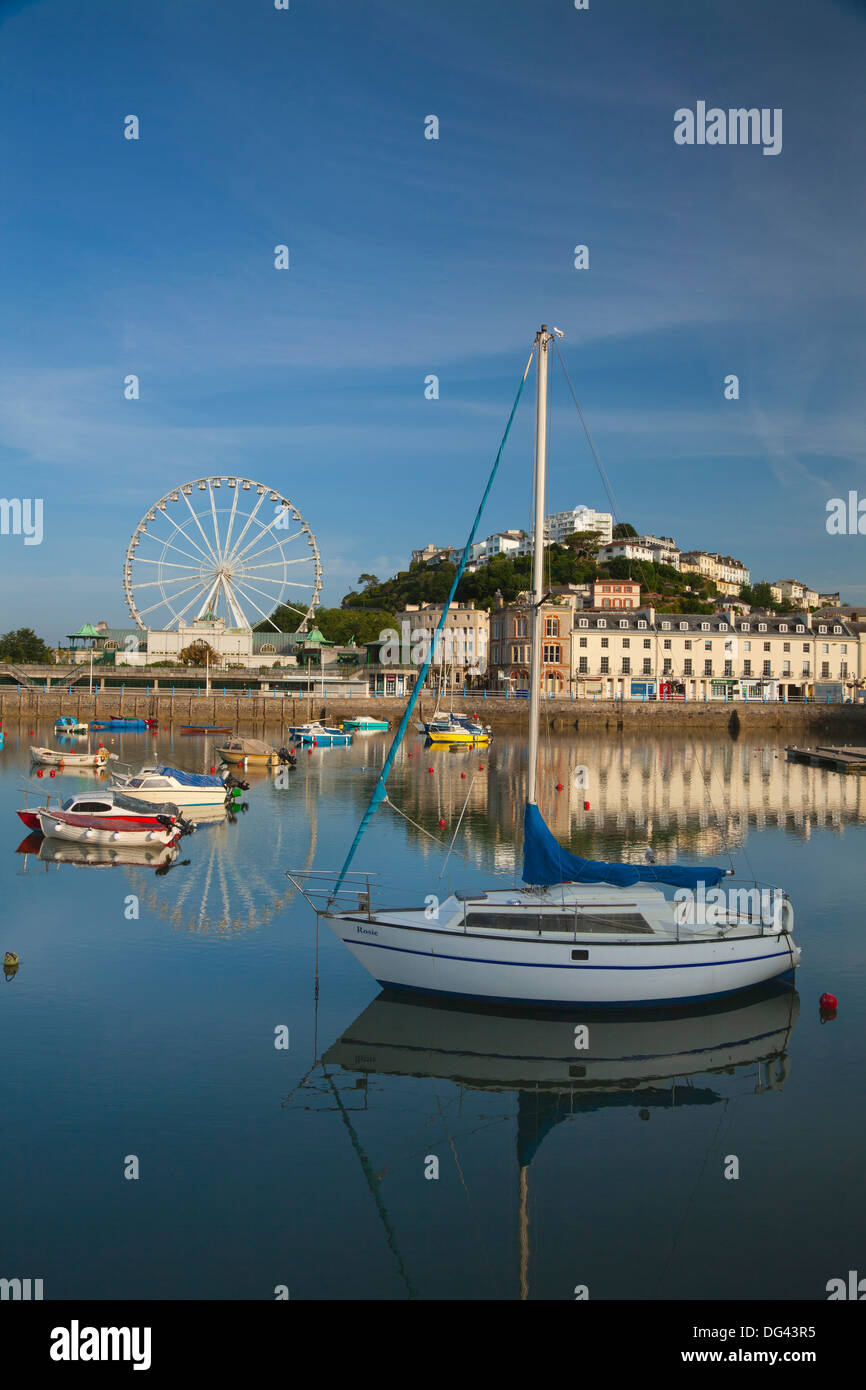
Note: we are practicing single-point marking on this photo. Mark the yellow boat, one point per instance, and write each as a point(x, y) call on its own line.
point(457, 729)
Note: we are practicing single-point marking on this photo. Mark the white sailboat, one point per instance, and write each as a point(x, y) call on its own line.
point(577, 931)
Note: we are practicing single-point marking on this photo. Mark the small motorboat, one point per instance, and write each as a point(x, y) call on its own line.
point(107, 817)
point(62, 757)
point(120, 722)
point(253, 752)
point(320, 735)
point(365, 725)
point(173, 785)
point(66, 726)
point(206, 728)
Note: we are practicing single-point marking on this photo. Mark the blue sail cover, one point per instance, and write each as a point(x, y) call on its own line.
point(545, 861)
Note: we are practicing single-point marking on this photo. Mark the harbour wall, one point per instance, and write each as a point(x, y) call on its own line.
point(847, 722)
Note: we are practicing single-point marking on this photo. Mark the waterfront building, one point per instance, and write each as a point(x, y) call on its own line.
point(463, 644)
point(233, 648)
point(679, 656)
point(510, 645)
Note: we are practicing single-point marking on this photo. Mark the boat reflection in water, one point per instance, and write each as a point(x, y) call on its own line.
point(649, 1060)
point(50, 851)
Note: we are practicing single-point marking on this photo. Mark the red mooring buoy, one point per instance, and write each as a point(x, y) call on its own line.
point(586, 805)
point(441, 825)
point(559, 786)
point(429, 769)
point(829, 1001)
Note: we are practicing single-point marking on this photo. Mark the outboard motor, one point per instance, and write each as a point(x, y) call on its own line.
point(233, 783)
point(286, 756)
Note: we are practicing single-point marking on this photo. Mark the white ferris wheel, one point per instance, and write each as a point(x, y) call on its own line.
point(221, 547)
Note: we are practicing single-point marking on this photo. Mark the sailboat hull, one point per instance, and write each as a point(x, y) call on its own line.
point(540, 972)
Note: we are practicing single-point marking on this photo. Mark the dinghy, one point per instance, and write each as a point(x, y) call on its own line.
point(62, 757)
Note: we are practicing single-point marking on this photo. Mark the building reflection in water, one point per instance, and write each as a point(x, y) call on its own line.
point(685, 796)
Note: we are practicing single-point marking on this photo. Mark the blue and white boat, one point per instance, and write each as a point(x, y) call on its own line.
point(574, 931)
point(320, 735)
point(66, 726)
point(171, 784)
point(364, 724)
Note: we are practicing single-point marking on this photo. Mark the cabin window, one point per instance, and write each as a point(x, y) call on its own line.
point(612, 923)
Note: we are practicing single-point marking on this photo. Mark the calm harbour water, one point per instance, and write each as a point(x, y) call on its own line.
point(305, 1167)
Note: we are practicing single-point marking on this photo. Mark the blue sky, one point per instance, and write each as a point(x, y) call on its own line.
point(411, 257)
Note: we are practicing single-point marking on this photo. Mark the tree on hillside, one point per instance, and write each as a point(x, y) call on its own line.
point(583, 543)
point(762, 596)
point(369, 581)
point(622, 530)
point(23, 645)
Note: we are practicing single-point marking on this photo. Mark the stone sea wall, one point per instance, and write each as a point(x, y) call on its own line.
point(847, 722)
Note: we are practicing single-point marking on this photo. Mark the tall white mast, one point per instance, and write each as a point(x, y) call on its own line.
point(543, 340)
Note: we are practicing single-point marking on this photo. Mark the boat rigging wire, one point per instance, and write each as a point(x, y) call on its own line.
point(379, 793)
